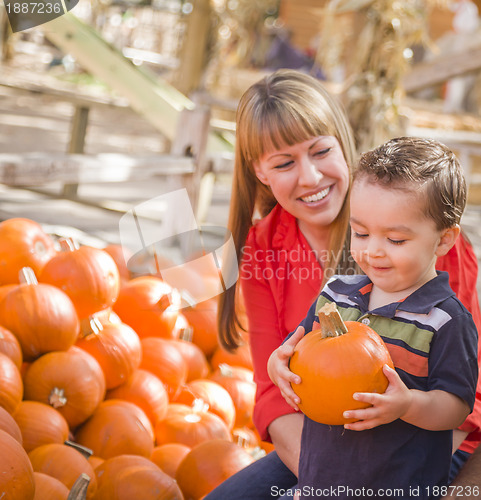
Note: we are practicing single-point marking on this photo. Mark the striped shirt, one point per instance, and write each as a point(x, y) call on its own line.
point(433, 344)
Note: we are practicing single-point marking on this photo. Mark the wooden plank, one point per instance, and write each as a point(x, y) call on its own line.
point(427, 74)
point(40, 168)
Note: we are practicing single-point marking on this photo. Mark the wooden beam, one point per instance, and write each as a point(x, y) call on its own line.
point(427, 74)
point(39, 168)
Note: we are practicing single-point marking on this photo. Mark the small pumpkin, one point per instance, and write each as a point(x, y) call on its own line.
point(10, 346)
point(49, 487)
point(117, 427)
point(89, 276)
point(209, 464)
point(169, 456)
point(64, 463)
point(334, 362)
point(41, 316)
point(203, 319)
point(8, 424)
point(149, 305)
point(190, 425)
point(127, 477)
point(17, 481)
point(70, 381)
point(40, 424)
point(217, 397)
point(145, 390)
point(240, 357)
point(116, 347)
point(23, 242)
point(162, 358)
point(197, 364)
point(11, 385)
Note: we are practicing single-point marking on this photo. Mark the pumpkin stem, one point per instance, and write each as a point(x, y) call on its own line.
point(57, 398)
point(330, 321)
point(86, 452)
point(79, 488)
point(186, 333)
point(68, 244)
point(27, 275)
point(95, 328)
point(226, 370)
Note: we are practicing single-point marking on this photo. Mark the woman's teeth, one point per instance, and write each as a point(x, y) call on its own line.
point(316, 197)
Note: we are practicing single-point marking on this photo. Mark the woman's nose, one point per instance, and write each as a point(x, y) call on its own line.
point(309, 175)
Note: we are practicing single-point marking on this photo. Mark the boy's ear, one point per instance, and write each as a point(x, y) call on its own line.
point(448, 239)
point(259, 174)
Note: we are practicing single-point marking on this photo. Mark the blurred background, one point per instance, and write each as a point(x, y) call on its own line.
point(118, 102)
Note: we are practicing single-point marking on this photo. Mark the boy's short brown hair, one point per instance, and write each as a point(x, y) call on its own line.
point(424, 165)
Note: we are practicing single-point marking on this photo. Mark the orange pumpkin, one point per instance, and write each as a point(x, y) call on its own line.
point(334, 362)
point(240, 357)
point(41, 316)
point(121, 256)
point(89, 276)
point(128, 477)
point(197, 364)
point(203, 319)
point(117, 427)
point(70, 381)
point(169, 456)
point(242, 392)
point(162, 358)
point(11, 385)
point(190, 425)
point(117, 349)
point(16, 473)
point(10, 346)
point(149, 305)
point(40, 424)
point(8, 424)
point(219, 400)
point(23, 242)
point(209, 464)
point(49, 487)
point(64, 463)
point(146, 391)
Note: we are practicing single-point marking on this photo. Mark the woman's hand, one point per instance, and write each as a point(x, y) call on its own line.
point(387, 407)
point(278, 368)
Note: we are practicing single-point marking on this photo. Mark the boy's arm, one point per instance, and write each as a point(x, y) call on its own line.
point(278, 368)
point(434, 410)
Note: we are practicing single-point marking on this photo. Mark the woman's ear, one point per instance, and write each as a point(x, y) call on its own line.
point(259, 173)
point(448, 239)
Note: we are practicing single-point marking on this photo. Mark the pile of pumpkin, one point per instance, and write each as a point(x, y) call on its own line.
point(103, 378)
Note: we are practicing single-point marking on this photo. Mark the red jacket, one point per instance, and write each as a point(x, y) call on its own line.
point(281, 277)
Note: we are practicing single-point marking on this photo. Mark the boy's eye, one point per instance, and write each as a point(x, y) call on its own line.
point(396, 242)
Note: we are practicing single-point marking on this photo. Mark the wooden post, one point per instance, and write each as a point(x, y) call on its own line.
point(77, 142)
point(193, 52)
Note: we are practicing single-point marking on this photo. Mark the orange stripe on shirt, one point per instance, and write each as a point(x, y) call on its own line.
point(408, 361)
point(366, 289)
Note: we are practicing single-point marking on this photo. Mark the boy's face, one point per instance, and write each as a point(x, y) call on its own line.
point(393, 242)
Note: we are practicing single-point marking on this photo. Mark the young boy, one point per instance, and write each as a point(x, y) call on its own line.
point(406, 202)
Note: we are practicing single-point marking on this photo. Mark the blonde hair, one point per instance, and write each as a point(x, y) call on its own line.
point(283, 109)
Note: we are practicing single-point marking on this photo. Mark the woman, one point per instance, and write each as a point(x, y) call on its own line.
point(294, 152)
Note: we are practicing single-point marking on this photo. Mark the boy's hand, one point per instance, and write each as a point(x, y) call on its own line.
point(387, 407)
point(278, 368)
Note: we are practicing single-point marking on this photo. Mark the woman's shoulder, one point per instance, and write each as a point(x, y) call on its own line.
point(277, 229)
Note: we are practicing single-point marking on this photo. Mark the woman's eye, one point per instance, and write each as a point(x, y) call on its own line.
point(359, 235)
point(284, 165)
point(396, 242)
point(322, 152)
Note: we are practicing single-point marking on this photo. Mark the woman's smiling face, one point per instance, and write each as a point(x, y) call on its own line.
point(310, 179)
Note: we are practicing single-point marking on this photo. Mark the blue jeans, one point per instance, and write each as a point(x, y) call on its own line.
point(264, 479)
point(457, 462)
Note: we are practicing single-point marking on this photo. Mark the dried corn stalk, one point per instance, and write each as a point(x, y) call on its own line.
point(381, 37)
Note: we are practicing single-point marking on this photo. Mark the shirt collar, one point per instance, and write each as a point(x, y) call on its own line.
point(421, 301)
